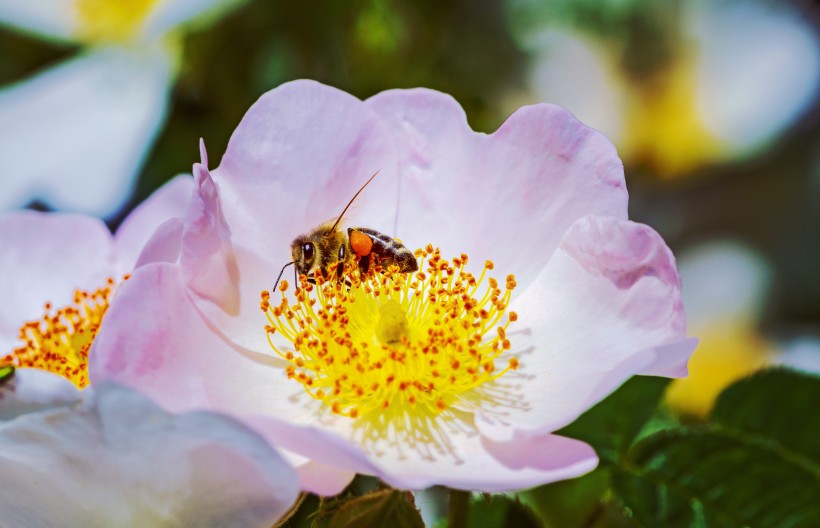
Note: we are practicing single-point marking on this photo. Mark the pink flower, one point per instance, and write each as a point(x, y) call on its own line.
point(48, 258)
point(359, 383)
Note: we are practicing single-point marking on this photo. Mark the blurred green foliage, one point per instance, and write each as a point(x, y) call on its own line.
point(362, 47)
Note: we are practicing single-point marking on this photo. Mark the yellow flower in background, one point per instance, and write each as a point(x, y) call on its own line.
point(75, 134)
point(724, 288)
point(738, 74)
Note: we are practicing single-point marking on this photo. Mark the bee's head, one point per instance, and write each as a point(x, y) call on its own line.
point(305, 254)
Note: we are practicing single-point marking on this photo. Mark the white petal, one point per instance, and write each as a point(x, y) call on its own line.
point(120, 461)
point(76, 134)
point(759, 68)
point(54, 19)
point(31, 390)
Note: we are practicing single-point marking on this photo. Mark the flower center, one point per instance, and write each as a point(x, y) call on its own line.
point(396, 351)
point(59, 341)
point(666, 128)
point(111, 21)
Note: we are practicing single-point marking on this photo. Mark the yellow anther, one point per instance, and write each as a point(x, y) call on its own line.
point(59, 341)
point(370, 347)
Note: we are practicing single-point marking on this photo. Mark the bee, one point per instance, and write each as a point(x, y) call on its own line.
point(327, 248)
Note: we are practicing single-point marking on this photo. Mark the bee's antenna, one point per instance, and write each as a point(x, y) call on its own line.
point(280, 276)
point(352, 199)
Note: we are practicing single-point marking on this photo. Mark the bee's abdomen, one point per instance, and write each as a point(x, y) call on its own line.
point(387, 250)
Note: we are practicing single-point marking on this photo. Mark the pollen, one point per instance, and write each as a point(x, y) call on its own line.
point(60, 340)
point(399, 353)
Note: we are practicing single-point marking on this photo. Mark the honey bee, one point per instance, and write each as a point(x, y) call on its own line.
point(329, 248)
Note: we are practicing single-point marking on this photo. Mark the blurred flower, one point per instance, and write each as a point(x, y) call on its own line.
point(118, 460)
point(70, 264)
point(737, 75)
point(446, 376)
point(75, 134)
point(724, 288)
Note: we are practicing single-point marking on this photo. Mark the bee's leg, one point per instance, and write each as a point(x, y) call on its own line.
point(364, 265)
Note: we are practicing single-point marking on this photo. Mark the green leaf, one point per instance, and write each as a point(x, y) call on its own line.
point(756, 464)
point(569, 503)
point(612, 425)
point(392, 508)
point(777, 404)
point(6, 373)
point(714, 477)
point(500, 511)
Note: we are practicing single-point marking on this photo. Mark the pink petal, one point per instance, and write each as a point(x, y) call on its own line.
point(479, 463)
point(606, 307)
point(44, 258)
point(207, 256)
point(155, 340)
point(299, 155)
point(164, 245)
point(138, 466)
point(169, 201)
point(322, 479)
point(509, 196)
point(296, 159)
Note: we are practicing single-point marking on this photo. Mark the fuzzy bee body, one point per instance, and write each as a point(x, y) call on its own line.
point(328, 248)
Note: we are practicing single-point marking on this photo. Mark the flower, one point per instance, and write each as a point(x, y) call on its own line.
point(118, 460)
point(106, 104)
point(738, 75)
point(552, 301)
point(65, 269)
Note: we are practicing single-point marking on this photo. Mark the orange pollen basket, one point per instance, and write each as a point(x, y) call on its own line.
point(59, 341)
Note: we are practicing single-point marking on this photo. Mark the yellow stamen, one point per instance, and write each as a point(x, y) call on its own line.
point(111, 21)
point(665, 128)
point(59, 342)
point(396, 352)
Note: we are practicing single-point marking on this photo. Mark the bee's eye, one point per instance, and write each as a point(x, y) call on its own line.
point(307, 252)
point(342, 252)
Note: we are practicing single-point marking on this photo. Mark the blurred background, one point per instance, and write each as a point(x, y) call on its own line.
point(712, 105)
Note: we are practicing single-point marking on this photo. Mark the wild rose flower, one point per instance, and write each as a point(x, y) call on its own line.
point(118, 460)
point(456, 375)
point(106, 103)
point(62, 270)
